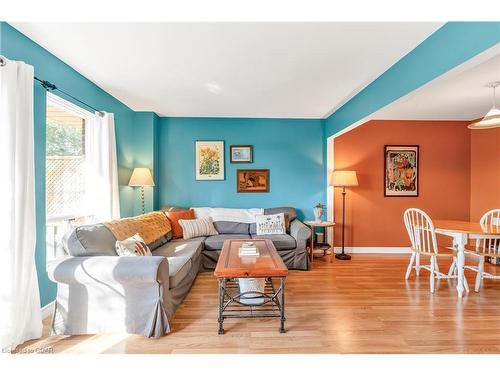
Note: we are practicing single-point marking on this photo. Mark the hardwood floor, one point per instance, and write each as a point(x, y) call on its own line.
point(358, 306)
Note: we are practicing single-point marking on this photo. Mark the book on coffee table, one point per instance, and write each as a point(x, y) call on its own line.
point(250, 253)
point(248, 249)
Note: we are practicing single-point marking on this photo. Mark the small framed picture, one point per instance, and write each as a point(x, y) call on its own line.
point(209, 160)
point(252, 180)
point(401, 171)
point(241, 153)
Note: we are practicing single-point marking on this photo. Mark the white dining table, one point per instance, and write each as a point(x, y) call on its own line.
point(462, 232)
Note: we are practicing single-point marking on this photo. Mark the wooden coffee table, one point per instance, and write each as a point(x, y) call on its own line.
point(231, 267)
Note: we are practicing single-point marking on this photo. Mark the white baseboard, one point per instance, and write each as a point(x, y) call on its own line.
point(48, 310)
point(373, 250)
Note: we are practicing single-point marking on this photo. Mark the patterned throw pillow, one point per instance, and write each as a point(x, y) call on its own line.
point(132, 246)
point(198, 227)
point(270, 224)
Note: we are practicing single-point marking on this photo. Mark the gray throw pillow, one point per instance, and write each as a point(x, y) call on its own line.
point(231, 227)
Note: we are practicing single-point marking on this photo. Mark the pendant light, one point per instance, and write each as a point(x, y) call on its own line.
point(492, 118)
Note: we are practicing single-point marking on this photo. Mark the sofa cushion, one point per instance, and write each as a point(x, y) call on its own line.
point(160, 241)
point(180, 248)
point(216, 242)
point(178, 269)
point(280, 241)
point(179, 254)
point(230, 227)
point(90, 240)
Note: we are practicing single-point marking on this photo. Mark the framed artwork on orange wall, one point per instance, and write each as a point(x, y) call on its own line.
point(401, 171)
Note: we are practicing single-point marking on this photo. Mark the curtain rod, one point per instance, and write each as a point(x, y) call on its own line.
point(51, 87)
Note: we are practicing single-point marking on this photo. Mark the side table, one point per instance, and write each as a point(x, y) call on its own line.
point(318, 224)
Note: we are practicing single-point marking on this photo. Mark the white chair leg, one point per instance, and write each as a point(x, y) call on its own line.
point(432, 276)
point(452, 267)
point(410, 266)
point(479, 276)
point(466, 285)
point(417, 263)
point(436, 268)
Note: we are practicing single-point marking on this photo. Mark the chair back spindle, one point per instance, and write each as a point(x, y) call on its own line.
point(490, 246)
point(421, 231)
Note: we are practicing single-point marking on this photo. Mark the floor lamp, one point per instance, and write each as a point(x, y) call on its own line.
point(141, 177)
point(343, 179)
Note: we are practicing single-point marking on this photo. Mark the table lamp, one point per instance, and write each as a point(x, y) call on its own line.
point(343, 179)
point(141, 177)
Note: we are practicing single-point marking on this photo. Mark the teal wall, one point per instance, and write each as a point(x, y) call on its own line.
point(146, 155)
point(451, 45)
point(291, 149)
point(16, 46)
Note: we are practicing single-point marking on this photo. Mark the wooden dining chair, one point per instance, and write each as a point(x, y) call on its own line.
point(485, 247)
point(424, 243)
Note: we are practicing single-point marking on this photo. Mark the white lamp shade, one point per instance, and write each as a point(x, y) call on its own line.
point(344, 178)
point(490, 121)
point(141, 177)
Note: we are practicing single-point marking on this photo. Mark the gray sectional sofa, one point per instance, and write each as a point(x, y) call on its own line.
point(98, 291)
point(291, 246)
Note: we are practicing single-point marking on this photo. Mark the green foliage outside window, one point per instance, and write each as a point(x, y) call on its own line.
point(64, 140)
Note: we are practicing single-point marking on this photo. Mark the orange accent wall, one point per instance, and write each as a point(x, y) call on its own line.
point(444, 178)
point(485, 171)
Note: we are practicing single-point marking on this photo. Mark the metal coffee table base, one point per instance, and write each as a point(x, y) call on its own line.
point(231, 305)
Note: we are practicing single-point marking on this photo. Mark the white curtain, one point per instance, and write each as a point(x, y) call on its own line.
point(20, 314)
point(102, 168)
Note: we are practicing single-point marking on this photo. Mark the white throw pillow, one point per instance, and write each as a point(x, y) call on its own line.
point(197, 227)
point(270, 224)
point(132, 246)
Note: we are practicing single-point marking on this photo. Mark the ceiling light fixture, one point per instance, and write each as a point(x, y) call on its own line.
point(492, 118)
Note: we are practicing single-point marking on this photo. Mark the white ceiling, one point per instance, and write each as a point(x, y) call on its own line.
point(290, 70)
point(460, 94)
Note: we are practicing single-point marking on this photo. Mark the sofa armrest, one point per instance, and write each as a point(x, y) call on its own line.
point(109, 270)
point(300, 232)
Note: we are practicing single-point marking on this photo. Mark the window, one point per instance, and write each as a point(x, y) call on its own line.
point(65, 169)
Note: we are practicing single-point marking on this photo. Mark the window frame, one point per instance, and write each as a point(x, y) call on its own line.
point(75, 110)
point(89, 119)
point(70, 107)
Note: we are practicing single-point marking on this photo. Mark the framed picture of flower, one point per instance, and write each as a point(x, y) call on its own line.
point(401, 171)
point(209, 160)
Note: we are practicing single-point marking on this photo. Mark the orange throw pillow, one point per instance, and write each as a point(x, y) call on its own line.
point(174, 217)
